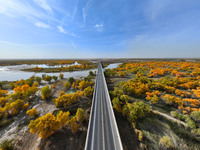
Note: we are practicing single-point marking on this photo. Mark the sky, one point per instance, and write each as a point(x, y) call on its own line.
point(99, 28)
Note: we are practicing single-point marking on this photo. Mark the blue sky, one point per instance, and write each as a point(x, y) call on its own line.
point(96, 28)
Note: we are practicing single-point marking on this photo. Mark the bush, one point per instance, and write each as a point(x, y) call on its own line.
point(7, 145)
point(166, 142)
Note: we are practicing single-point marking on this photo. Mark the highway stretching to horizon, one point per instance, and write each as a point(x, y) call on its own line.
point(103, 132)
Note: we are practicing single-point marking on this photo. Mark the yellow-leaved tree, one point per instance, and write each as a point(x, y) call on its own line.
point(46, 125)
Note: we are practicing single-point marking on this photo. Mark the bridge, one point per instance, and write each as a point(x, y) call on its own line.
point(102, 132)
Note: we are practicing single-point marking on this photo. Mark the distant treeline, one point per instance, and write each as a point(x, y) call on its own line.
point(47, 62)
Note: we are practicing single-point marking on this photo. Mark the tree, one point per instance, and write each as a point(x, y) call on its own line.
point(25, 106)
point(45, 92)
point(67, 85)
point(122, 74)
point(71, 80)
point(15, 106)
point(11, 85)
point(80, 115)
point(153, 97)
point(89, 91)
point(83, 84)
point(137, 110)
point(3, 93)
point(32, 112)
point(38, 79)
point(48, 78)
point(117, 104)
point(55, 78)
point(61, 76)
point(46, 125)
point(74, 85)
point(3, 101)
point(1, 85)
point(74, 125)
point(43, 76)
point(91, 73)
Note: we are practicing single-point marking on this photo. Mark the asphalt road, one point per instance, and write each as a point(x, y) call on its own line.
point(102, 131)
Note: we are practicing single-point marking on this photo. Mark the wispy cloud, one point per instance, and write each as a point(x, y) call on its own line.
point(62, 30)
point(44, 5)
point(11, 43)
point(99, 27)
point(74, 45)
point(85, 9)
point(42, 25)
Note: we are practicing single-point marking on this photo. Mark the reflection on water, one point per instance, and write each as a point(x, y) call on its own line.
point(112, 66)
point(13, 75)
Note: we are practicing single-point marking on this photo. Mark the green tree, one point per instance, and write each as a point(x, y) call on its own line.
point(11, 85)
point(61, 76)
point(80, 115)
point(117, 104)
point(71, 80)
point(48, 78)
point(55, 78)
point(43, 76)
point(38, 79)
point(89, 91)
point(74, 125)
point(67, 85)
point(91, 73)
point(166, 142)
point(45, 92)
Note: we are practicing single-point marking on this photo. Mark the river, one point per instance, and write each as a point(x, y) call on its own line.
point(14, 73)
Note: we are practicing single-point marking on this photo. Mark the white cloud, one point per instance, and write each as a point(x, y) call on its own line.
point(44, 5)
point(42, 25)
point(62, 30)
point(99, 27)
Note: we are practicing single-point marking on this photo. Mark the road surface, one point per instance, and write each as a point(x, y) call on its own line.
point(103, 132)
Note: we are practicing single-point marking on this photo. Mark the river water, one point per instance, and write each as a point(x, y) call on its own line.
point(14, 73)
